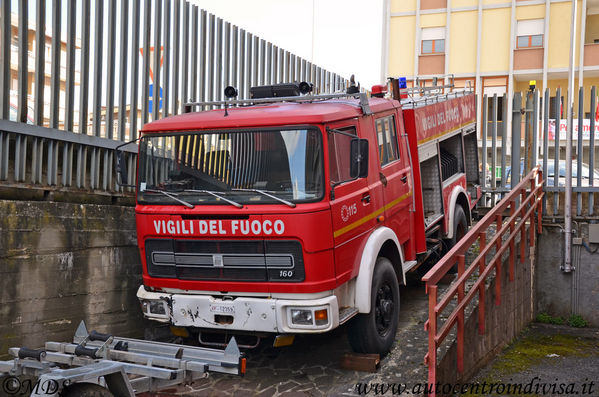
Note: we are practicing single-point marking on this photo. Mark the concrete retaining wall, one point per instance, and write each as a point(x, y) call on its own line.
point(563, 294)
point(61, 263)
point(502, 323)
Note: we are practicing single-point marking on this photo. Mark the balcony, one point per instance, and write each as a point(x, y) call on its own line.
point(432, 4)
point(528, 58)
point(431, 64)
point(591, 54)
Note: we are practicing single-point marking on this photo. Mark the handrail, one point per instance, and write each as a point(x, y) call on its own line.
point(432, 276)
point(530, 198)
point(62, 136)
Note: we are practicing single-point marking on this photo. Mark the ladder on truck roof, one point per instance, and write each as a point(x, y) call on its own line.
point(422, 95)
point(123, 366)
point(432, 98)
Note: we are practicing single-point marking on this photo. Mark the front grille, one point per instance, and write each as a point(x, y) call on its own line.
point(205, 260)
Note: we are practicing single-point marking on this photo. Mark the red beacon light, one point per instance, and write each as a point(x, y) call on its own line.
point(378, 91)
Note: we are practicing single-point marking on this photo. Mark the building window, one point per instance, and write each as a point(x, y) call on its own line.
point(530, 41)
point(433, 41)
point(495, 86)
point(529, 33)
point(499, 110)
point(433, 46)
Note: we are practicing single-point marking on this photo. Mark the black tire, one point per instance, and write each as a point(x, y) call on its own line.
point(86, 390)
point(375, 332)
point(460, 228)
point(460, 225)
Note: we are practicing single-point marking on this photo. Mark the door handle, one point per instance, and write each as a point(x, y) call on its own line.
point(365, 198)
point(404, 178)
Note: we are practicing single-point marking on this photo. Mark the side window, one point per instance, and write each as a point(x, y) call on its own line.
point(339, 146)
point(387, 139)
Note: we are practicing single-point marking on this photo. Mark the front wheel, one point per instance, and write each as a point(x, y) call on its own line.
point(374, 332)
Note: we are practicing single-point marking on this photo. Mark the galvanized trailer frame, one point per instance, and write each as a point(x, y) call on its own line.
point(124, 366)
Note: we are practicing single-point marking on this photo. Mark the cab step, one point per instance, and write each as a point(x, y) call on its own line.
point(408, 265)
point(345, 313)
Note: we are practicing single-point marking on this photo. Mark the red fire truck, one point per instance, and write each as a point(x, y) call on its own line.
point(295, 213)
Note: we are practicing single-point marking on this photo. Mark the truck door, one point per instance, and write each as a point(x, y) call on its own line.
point(353, 201)
point(394, 173)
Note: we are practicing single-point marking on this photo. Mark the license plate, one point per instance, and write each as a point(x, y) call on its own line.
point(222, 309)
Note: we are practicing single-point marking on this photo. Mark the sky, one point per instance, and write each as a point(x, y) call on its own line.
point(343, 36)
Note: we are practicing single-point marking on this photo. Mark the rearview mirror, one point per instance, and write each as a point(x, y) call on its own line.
point(358, 158)
point(121, 168)
point(122, 174)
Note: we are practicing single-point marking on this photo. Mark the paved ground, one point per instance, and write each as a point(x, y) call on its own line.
point(547, 360)
point(311, 366)
point(553, 360)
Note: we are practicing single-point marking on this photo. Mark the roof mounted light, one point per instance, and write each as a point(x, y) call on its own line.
point(305, 87)
point(275, 91)
point(378, 91)
point(352, 89)
point(403, 82)
point(231, 92)
point(398, 87)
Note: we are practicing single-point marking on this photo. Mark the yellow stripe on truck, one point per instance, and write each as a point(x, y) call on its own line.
point(368, 217)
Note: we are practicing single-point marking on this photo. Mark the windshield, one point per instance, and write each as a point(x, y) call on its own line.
point(246, 167)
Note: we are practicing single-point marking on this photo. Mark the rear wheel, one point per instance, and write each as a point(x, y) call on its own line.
point(374, 332)
point(460, 227)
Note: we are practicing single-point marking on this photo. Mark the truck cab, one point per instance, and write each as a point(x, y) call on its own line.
point(283, 215)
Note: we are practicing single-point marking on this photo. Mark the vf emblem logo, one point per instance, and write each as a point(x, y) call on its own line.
point(347, 211)
point(217, 261)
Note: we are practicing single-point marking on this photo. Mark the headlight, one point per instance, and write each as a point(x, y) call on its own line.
point(157, 307)
point(301, 317)
point(153, 307)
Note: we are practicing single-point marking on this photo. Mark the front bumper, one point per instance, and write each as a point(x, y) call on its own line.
point(240, 313)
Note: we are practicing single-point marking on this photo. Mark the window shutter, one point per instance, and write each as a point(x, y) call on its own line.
point(433, 33)
point(530, 27)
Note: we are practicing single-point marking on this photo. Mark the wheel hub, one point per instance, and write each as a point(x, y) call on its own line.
point(384, 308)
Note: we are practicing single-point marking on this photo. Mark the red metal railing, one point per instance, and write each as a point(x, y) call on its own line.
point(530, 201)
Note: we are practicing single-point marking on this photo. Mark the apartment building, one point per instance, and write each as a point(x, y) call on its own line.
point(495, 46)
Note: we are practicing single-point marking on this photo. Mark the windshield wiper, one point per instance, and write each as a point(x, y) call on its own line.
point(172, 196)
point(289, 203)
point(236, 204)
